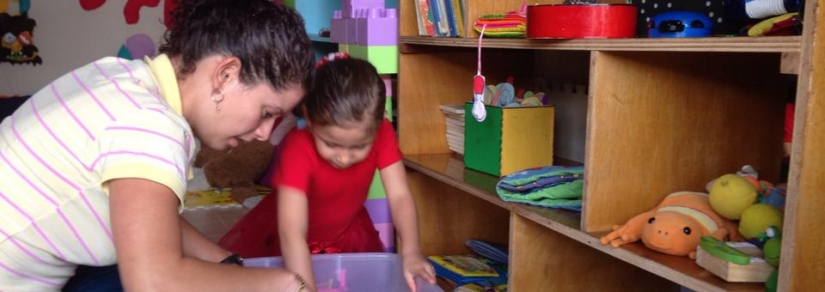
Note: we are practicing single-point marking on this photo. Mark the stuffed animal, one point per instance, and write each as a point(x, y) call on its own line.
point(772, 248)
point(241, 168)
point(742, 196)
point(675, 226)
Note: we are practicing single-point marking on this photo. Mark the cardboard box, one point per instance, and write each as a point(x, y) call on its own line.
point(510, 139)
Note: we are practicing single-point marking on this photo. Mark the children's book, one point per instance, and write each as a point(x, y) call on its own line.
point(481, 287)
point(465, 269)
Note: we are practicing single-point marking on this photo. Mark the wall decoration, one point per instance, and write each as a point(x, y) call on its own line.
point(132, 10)
point(14, 7)
point(16, 40)
point(90, 5)
point(137, 46)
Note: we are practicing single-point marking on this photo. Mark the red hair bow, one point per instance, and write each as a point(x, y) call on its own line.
point(331, 57)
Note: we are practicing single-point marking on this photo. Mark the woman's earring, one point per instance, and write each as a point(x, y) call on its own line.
point(218, 101)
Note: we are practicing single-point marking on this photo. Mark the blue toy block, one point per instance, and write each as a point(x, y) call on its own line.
point(379, 27)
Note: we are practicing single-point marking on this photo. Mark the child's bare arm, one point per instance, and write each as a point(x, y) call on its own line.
point(405, 220)
point(292, 228)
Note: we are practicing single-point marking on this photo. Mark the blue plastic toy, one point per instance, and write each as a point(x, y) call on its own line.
point(679, 24)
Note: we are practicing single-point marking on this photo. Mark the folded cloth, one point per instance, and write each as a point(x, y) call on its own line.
point(512, 24)
point(549, 186)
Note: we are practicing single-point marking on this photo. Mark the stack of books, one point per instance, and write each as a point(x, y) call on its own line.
point(441, 18)
point(454, 115)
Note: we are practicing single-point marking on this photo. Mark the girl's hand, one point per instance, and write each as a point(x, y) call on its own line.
point(415, 265)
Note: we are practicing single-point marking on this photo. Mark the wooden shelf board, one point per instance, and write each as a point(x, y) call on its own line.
point(449, 168)
point(777, 44)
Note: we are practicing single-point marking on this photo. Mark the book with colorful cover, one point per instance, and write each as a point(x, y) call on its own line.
point(465, 269)
point(464, 265)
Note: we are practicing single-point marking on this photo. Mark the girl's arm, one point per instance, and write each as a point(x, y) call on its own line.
point(148, 238)
point(405, 220)
point(293, 215)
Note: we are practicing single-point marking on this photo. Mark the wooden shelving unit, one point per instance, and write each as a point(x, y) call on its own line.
point(663, 115)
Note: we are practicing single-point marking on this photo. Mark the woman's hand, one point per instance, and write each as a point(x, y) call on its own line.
point(415, 265)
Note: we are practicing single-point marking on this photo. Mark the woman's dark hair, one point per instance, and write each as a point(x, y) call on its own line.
point(268, 38)
point(346, 90)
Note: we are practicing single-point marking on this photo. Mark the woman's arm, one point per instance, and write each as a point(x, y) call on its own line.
point(196, 245)
point(148, 238)
point(405, 220)
point(293, 215)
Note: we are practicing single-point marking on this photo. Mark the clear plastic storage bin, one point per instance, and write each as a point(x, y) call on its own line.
point(354, 272)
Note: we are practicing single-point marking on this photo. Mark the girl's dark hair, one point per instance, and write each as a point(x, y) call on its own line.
point(268, 38)
point(346, 90)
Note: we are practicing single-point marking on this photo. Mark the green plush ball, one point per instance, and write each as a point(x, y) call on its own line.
point(772, 250)
point(770, 283)
point(758, 217)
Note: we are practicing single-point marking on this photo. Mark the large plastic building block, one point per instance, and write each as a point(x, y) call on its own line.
point(340, 30)
point(384, 58)
point(350, 6)
point(376, 27)
point(366, 27)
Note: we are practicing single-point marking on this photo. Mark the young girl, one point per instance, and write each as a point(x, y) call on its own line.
point(323, 175)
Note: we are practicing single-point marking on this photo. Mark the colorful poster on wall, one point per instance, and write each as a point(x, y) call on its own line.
point(17, 39)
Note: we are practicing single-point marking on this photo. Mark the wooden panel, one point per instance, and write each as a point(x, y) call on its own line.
point(773, 44)
point(790, 63)
point(448, 217)
point(407, 22)
point(430, 80)
point(543, 260)
point(665, 122)
point(803, 242)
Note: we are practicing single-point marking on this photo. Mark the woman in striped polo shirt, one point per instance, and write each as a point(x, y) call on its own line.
point(93, 167)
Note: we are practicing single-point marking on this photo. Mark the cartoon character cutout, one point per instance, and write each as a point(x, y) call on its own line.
point(16, 40)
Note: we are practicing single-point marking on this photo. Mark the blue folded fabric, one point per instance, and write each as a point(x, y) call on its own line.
point(549, 186)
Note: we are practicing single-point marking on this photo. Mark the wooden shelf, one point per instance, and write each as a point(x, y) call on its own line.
point(777, 44)
point(449, 169)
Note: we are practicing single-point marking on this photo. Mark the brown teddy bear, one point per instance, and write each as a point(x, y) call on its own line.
point(242, 167)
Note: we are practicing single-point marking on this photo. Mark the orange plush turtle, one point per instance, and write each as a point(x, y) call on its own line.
point(675, 225)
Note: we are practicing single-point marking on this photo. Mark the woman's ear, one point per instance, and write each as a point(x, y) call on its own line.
point(226, 72)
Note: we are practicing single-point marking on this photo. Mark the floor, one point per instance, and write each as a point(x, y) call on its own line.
point(214, 222)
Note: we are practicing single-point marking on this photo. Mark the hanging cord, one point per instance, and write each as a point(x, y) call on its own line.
point(479, 84)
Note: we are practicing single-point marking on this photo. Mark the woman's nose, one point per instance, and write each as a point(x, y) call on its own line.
point(263, 131)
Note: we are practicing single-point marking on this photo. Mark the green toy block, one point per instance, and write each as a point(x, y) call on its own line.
point(384, 58)
point(376, 188)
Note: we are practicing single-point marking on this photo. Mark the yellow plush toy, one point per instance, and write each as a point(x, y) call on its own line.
point(675, 226)
point(736, 197)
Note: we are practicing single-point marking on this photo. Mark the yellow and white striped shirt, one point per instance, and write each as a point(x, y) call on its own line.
point(110, 119)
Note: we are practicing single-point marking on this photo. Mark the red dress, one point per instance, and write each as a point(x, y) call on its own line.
point(338, 220)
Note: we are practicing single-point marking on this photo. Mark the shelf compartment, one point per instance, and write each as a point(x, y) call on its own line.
point(665, 122)
point(774, 44)
point(448, 217)
point(425, 90)
point(437, 177)
point(566, 264)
